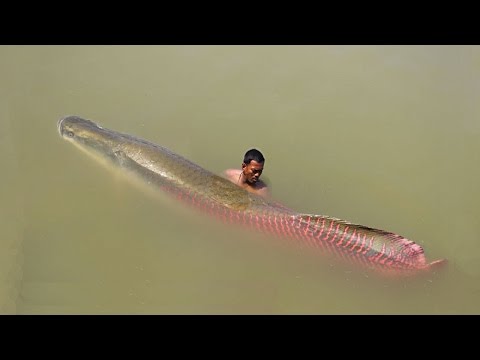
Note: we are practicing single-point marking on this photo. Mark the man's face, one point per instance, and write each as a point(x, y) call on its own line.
point(252, 171)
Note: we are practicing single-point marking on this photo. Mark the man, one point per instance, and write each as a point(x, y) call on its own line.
point(249, 177)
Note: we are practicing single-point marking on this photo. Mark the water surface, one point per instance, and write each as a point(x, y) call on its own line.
point(385, 136)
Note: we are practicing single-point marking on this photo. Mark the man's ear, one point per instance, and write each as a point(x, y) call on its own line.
point(244, 165)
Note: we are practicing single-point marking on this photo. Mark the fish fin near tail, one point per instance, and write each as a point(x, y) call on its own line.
point(402, 245)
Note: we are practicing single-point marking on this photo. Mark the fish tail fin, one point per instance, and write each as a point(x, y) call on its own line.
point(437, 265)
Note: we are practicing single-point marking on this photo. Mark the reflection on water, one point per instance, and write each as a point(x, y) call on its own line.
point(384, 136)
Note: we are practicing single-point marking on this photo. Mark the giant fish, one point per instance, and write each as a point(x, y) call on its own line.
point(381, 251)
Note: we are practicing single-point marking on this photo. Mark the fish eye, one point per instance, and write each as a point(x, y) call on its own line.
point(70, 134)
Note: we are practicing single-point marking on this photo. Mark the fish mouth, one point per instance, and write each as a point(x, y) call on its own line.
point(60, 125)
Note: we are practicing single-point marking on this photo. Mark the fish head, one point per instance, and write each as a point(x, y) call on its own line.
point(88, 136)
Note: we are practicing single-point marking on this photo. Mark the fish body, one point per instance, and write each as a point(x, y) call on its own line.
point(382, 251)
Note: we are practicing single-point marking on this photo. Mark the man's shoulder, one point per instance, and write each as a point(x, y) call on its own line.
point(232, 172)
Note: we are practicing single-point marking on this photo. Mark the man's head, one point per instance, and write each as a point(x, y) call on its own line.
point(252, 165)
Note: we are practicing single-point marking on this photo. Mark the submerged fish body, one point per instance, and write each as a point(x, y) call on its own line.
point(370, 248)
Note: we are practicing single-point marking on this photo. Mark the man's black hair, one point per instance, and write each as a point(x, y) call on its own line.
point(253, 154)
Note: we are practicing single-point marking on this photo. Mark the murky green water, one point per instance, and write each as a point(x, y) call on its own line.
point(385, 136)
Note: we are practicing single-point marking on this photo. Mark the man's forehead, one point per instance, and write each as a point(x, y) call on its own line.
point(256, 165)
